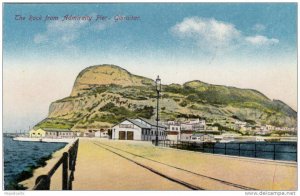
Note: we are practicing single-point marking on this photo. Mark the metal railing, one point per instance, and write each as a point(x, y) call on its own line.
point(266, 150)
point(68, 162)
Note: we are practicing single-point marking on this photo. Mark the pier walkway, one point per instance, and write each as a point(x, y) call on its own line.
point(132, 165)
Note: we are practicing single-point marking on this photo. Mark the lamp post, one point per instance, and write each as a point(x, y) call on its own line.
point(158, 89)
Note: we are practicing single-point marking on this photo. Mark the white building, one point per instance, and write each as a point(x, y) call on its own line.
point(186, 127)
point(161, 128)
point(202, 137)
point(173, 135)
point(173, 132)
point(171, 122)
point(89, 133)
point(194, 121)
point(197, 121)
point(240, 123)
point(193, 124)
point(51, 133)
point(138, 129)
point(186, 135)
point(101, 133)
point(174, 128)
point(270, 127)
point(262, 131)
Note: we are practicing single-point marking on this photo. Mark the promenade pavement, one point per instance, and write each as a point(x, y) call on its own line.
point(131, 165)
point(99, 169)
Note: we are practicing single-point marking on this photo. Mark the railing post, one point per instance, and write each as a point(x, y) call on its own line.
point(65, 171)
point(71, 155)
point(76, 150)
point(274, 152)
point(72, 160)
point(68, 162)
point(42, 183)
point(296, 153)
point(70, 181)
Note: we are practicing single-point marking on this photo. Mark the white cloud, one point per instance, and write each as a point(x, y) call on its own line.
point(68, 31)
point(211, 34)
point(60, 32)
point(99, 26)
point(63, 26)
point(259, 27)
point(259, 40)
point(40, 38)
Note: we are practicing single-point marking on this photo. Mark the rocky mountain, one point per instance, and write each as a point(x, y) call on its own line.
point(105, 94)
point(95, 76)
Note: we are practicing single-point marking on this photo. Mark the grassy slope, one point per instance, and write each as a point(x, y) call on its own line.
point(107, 107)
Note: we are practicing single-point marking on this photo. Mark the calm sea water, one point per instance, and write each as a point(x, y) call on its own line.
point(19, 156)
point(286, 151)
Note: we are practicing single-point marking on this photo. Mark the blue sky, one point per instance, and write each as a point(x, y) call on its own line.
point(276, 21)
point(248, 45)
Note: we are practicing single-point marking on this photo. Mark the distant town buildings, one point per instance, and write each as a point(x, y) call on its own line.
point(185, 130)
point(200, 130)
point(202, 137)
point(100, 133)
point(51, 133)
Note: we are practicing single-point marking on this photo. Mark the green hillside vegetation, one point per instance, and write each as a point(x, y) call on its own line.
point(101, 102)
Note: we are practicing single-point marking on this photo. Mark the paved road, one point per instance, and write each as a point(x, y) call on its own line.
point(116, 165)
point(100, 169)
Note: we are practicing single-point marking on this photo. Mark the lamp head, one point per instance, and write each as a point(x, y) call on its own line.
point(158, 83)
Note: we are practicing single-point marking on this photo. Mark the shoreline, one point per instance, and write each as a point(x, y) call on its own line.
point(27, 173)
point(49, 163)
point(16, 183)
point(44, 139)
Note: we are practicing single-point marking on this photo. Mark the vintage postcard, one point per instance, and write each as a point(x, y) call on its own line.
point(150, 97)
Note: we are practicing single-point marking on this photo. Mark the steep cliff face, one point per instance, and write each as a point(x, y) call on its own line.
point(95, 76)
point(105, 94)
